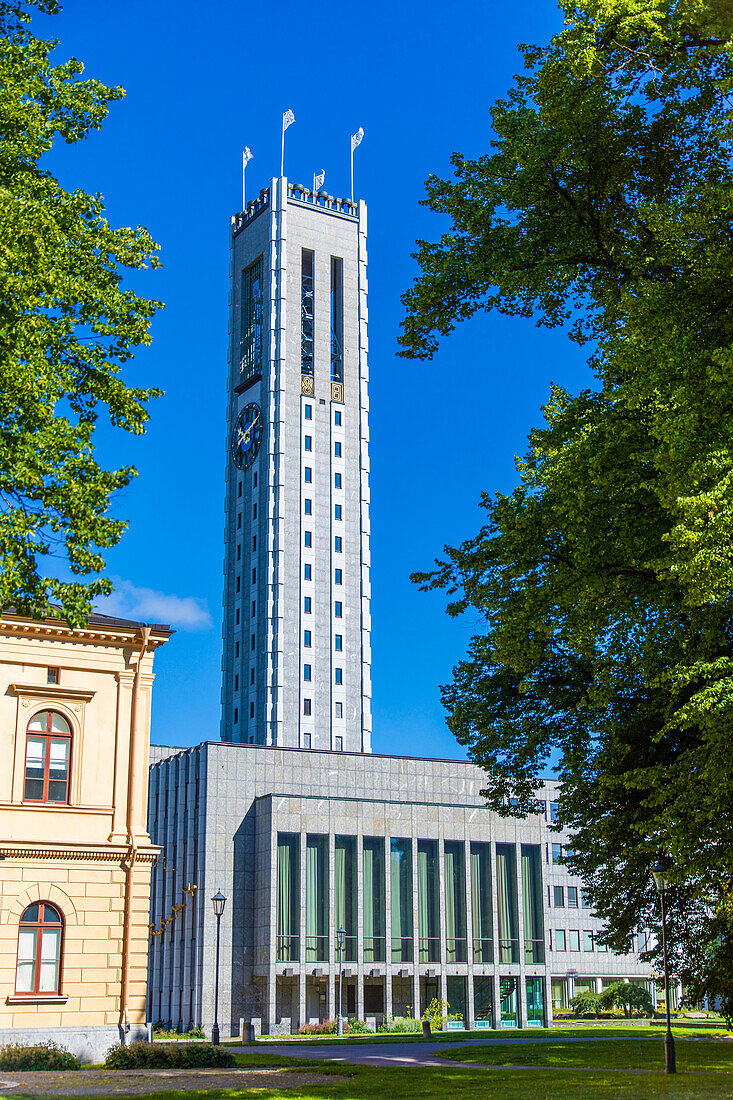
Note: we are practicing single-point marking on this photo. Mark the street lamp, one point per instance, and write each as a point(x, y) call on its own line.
point(218, 901)
point(660, 871)
point(340, 936)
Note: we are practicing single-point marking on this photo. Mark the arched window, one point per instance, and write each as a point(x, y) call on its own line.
point(39, 949)
point(47, 758)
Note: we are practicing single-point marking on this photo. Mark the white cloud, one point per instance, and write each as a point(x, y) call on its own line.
point(127, 601)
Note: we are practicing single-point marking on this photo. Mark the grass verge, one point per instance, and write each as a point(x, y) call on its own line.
point(703, 1054)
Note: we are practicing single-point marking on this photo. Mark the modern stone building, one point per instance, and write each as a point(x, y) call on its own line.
point(74, 847)
point(437, 895)
point(290, 815)
point(296, 657)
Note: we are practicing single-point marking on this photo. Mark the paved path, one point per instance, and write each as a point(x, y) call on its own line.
point(405, 1054)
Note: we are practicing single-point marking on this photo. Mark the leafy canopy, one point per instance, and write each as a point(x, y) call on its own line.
point(604, 580)
point(67, 327)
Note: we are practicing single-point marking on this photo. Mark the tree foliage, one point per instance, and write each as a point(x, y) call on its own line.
point(67, 327)
point(605, 578)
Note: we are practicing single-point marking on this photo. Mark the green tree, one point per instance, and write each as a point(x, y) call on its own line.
point(67, 327)
point(631, 998)
point(605, 578)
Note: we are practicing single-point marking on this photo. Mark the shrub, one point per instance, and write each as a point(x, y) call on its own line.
point(160, 1031)
point(328, 1027)
point(168, 1056)
point(358, 1027)
point(436, 1013)
point(583, 1004)
point(49, 1055)
point(631, 998)
point(400, 1025)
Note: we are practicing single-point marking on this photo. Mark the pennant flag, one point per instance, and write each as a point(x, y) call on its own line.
point(246, 156)
point(356, 138)
point(320, 179)
point(288, 119)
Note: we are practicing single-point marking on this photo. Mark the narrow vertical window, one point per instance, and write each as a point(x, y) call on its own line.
point(38, 966)
point(306, 312)
point(337, 319)
point(250, 344)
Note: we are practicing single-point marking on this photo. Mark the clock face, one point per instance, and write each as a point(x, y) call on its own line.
point(247, 436)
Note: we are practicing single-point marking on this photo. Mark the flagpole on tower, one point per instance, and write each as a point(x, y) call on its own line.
point(246, 158)
point(355, 141)
point(288, 119)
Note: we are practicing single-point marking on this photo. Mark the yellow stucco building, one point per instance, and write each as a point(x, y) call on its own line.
point(75, 854)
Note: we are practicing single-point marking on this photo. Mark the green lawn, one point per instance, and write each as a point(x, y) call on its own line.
point(570, 1030)
point(370, 1083)
point(646, 1053)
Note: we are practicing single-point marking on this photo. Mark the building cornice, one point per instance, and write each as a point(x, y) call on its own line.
point(51, 691)
point(57, 630)
point(144, 853)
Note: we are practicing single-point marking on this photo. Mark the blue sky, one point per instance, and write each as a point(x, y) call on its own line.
point(202, 81)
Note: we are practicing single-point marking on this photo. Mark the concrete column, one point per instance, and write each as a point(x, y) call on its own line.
point(271, 999)
point(548, 1000)
point(388, 926)
point(470, 1010)
point(331, 994)
point(359, 856)
point(301, 998)
point(569, 987)
point(388, 993)
point(495, 1009)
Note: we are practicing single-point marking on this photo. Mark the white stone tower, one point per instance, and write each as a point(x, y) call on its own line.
point(296, 653)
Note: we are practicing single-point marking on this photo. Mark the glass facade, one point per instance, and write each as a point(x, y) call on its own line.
point(508, 1001)
point(345, 893)
point(455, 902)
point(427, 901)
point(316, 898)
point(456, 995)
point(250, 343)
point(534, 991)
point(532, 914)
point(306, 311)
point(483, 939)
point(401, 891)
point(483, 996)
point(337, 319)
point(288, 897)
point(373, 899)
point(506, 886)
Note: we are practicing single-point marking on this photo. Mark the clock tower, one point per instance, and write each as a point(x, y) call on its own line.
point(296, 650)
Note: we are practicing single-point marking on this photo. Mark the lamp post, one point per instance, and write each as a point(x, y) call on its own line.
point(340, 936)
point(660, 871)
point(218, 901)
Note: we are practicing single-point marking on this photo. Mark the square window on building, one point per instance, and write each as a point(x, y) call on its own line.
point(337, 449)
point(236, 715)
point(339, 610)
point(573, 940)
point(601, 946)
point(239, 489)
point(239, 520)
point(53, 675)
point(308, 475)
point(556, 853)
point(307, 602)
point(307, 638)
point(251, 741)
point(237, 584)
point(308, 443)
point(306, 706)
point(254, 608)
point(339, 674)
point(338, 576)
point(337, 418)
point(254, 575)
point(339, 744)
point(306, 740)
point(560, 939)
point(236, 649)
point(308, 411)
point(306, 672)
point(308, 538)
point(585, 899)
point(338, 642)
point(338, 544)
point(308, 507)
point(307, 571)
point(554, 811)
point(254, 480)
point(236, 617)
point(236, 681)
point(239, 552)
point(572, 897)
point(254, 542)
point(252, 642)
point(337, 511)
point(337, 481)
point(338, 710)
point(540, 807)
point(558, 897)
point(254, 511)
point(587, 940)
point(251, 710)
point(251, 676)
